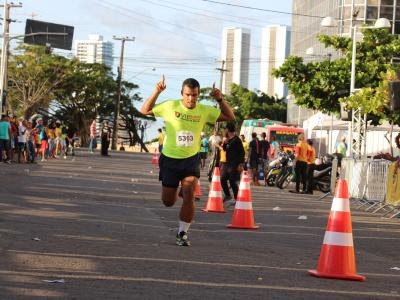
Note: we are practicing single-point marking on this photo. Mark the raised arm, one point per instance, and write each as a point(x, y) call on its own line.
point(147, 108)
point(226, 110)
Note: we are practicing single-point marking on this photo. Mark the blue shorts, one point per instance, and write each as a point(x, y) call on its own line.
point(173, 170)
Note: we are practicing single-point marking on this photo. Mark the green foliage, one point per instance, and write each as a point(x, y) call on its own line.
point(322, 85)
point(76, 92)
point(250, 105)
point(33, 75)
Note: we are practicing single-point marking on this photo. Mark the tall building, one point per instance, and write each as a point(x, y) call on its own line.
point(275, 48)
point(95, 50)
point(306, 25)
point(236, 53)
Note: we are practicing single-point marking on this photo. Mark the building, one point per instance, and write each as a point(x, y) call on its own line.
point(275, 46)
point(236, 53)
point(95, 50)
point(306, 25)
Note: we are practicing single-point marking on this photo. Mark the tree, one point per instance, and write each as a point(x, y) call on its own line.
point(130, 115)
point(33, 76)
point(86, 91)
point(323, 85)
point(250, 105)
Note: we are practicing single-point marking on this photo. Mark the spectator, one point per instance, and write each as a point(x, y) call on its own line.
point(341, 147)
point(310, 166)
point(214, 141)
point(93, 136)
point(14, 136)
point(203, 150)
point(105, 138)
point(44, 145)
point(51, 138)
point(60, 142)
point(22, 141)
point(30, 142)
point(5, 135)
point(301, 164)
point(160, 140)
point(233, 166)
point(254, 157)
point(245, 147)
point(275, 147)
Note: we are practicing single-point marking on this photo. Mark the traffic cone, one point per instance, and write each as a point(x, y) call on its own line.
point(197, 192)
point(154, 160)
point(215, 202)
point(243, 214)
point(337, 254)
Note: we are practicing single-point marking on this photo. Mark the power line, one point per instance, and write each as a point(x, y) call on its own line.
point(263, 9)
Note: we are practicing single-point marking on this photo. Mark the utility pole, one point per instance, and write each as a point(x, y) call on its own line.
point(5, 53)
point(118, 96)
point(222, 71)
point(221, 76)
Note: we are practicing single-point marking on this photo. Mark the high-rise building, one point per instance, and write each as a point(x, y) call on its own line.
point(275, 48)
point(236, 53)
point(306, 25)
point(95, 50)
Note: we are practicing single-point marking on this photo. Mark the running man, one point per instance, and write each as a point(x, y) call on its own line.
point(179, 161)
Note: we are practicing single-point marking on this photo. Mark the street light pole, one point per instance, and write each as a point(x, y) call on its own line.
point(118, 95)
point(358, 122)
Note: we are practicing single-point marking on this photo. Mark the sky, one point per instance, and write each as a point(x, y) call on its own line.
point(179, 38)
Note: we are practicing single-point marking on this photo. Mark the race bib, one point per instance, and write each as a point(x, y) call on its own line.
point(184, 138)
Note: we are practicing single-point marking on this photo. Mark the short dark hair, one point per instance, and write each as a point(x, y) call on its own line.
point(159, 130)
point(254, 135)
point(191, 83)
point(230, 127)
point(263, 134)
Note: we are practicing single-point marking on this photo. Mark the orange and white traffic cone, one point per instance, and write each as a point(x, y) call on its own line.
point(154, 160)
point(197, 192)
point(337, 254)
point(243, 217)
point(215, 202)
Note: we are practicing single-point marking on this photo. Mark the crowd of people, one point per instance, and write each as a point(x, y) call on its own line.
point(27, 141)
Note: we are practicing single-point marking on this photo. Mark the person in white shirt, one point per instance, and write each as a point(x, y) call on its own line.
point(22, 140)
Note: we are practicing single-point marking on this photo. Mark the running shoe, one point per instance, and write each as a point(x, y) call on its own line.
point(182, 239)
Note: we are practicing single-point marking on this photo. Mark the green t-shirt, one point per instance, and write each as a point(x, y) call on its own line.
point(183, 126)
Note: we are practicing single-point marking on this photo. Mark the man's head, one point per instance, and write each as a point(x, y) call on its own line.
point(263, 135)
point(190, 92)
point(4, 117)
point(40, 121)
point(159, 130)
point(254, 135)
point(230, 127)
point(300, 137)
point(242, 137)
point(29, 124)
point(310, 142)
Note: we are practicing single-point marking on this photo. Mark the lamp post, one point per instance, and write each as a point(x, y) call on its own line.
point(359, 119)
point(310, 51)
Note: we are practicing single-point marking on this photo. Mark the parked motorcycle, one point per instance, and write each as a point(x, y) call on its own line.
point(287, 174)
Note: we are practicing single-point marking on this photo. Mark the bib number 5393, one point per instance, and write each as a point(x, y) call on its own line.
point(184, 138)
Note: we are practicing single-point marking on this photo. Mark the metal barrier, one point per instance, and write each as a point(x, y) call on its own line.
point(368, 184)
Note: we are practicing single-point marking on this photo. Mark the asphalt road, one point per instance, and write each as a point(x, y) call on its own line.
point(98, 225)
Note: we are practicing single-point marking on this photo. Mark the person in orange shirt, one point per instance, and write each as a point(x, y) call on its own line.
point(301, 164)
point(310, 166)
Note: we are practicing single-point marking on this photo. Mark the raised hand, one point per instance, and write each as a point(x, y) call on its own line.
point(161, 85)
point(216, 93)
